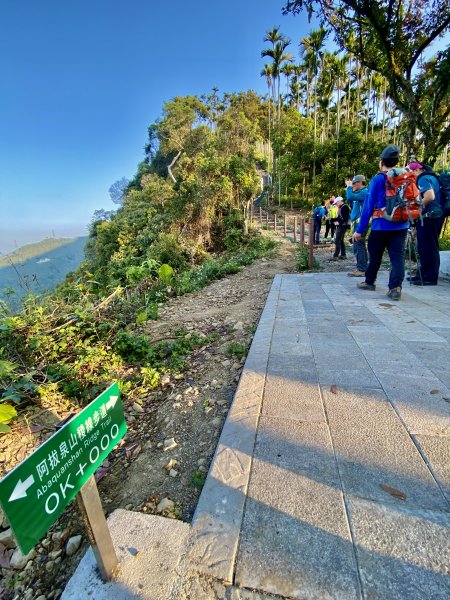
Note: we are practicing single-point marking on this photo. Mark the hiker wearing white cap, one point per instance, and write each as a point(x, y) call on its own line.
point(343, 219)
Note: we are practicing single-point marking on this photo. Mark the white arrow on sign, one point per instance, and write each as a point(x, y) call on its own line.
point(112, 401)
point(20, 491)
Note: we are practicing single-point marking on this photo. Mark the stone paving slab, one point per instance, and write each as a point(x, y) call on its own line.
point(419, 400)
point(292, 544)
point(436, 357)
point(437, 454)
point(401, 323)
point(299, 401)
point(402, 554)
point(373, 449)
point(348, 377)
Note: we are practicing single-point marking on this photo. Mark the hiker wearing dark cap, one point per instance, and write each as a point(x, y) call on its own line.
point(356, 194)
point(343, 226)
point(390, 235)
point(428, 229)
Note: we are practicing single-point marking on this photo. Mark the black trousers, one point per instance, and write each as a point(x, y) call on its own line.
point(317, 227)
point(394, 242)
point(428, 234)
point(341, 230)
point(330, 227)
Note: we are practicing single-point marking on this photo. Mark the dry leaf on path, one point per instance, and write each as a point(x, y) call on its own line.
point(446, 399)
point(334, 389)
point(393, 491)
point(434, 392)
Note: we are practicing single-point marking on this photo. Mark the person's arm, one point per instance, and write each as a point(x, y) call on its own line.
point(358, 202)
point(349, 192)
point(428, 197)
point(426, 191)
point(376, 186)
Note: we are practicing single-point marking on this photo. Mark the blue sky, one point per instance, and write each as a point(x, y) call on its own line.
point(81, 81)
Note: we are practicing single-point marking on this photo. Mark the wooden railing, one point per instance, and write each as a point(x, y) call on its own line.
point(290, 225)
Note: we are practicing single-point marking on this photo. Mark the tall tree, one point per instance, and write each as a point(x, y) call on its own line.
point(392, 38)
point(312, 51)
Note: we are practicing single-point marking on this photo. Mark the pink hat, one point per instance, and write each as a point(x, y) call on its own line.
point(415, 165)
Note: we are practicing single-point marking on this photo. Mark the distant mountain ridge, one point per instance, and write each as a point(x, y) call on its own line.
point(38, 267)
point(32, 250)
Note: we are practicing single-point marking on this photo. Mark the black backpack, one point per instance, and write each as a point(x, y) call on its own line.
point(444, 182)
point(444, 185)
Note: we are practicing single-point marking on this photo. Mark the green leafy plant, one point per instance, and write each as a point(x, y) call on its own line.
point(165, 273)
point(150, 377)
point(198, 478)
point(7, 414)
point(236, 349)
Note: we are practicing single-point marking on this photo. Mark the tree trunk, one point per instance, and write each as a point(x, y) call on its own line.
point(169, 168)
point(246, 206)
point(368, 105)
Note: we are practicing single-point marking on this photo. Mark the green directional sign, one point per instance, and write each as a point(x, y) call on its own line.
point(36, 492)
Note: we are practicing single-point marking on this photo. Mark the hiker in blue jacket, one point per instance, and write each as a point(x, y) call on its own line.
point(428, 229)
point(390, 235)
point(356, 194)
point(318, 215)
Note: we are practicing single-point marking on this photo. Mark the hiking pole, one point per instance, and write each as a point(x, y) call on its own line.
point(409, 244)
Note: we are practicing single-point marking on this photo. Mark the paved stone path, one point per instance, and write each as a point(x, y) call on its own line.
point(332, 475)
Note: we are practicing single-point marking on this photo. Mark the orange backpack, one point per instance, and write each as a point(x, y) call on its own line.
point(402, 197)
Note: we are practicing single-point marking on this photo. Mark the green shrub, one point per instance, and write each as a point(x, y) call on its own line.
point(303, 260)
point(444, 242)
point(233, 238)
point(168, 250)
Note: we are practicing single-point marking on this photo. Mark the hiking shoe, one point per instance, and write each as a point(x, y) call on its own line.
point(342, 257)
point(356, 274)
point(418, 282)
point(395, 293)
point(334, 258)
point(366, 286)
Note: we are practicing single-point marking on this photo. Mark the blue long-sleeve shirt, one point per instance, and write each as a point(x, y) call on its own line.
point(376, 198)
point(356, 201)
point(429, 181)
